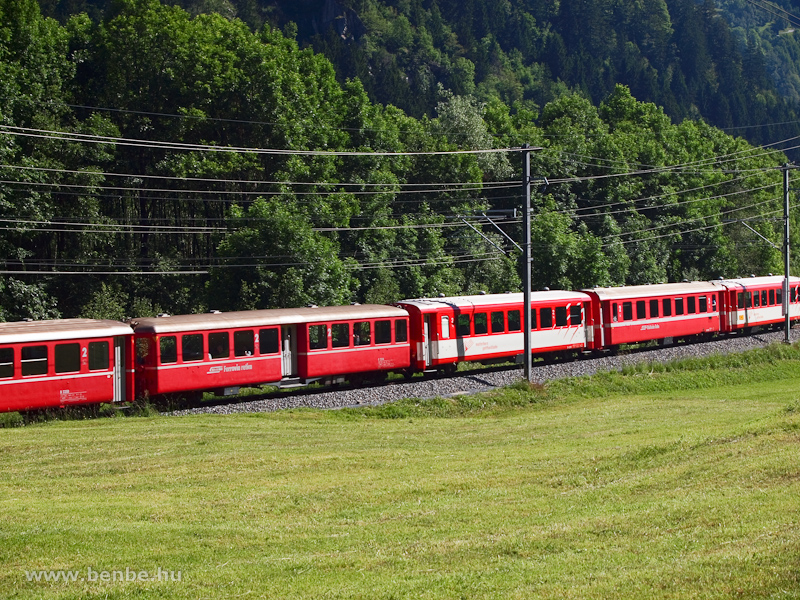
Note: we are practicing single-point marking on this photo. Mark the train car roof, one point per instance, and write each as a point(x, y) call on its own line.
point(654, 290)
point(758, 281)
point(262, 318)
point(22, 332)
point(493, 299)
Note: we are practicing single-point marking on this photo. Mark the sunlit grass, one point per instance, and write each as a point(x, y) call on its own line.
point(673, 482)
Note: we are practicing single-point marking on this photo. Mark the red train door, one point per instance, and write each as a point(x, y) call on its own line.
point(289, 350)
point(120, 390)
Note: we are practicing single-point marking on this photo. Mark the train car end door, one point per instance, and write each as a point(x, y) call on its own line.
point(289, 350)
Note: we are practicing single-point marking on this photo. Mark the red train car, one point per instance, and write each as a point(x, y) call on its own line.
point(59, 363)
point(222, 351)
point(446, 331)
point(755, 302)
point(641, 313)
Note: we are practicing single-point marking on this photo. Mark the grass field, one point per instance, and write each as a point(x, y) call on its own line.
point(661, 482)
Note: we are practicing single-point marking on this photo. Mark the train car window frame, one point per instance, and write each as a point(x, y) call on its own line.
point(627, 311)
point(34, 360)
point(561, 316)
point(575, 314)
point(740, 300)
point(401, 330)
point(666, 305)
point(444, 322)
point(748, 299)
point(67, 358)
point(545, 318)
point(702, 304)
point(691, 305)
point(534, 322)
point(192, 347)
point(641, 309)
point(480, 322)
point(244, 343)
point(679, 306)
point(772, 298)
point(340, 335)
point(764, 298)
point(514, 320)
point(6, 362)
point(362, 333)
point(756, 300)
point(498, 320)
point(463, 326)
point(99, 356)
point(614, 312)
point(654, 308)
point(713, 302)
point(779, 296)
point(318, 337)
point(269, 341)
point(383, 332)
point(164, 349)
point(219, 345)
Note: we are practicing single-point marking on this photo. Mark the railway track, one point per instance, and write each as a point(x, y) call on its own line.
point(475, 380)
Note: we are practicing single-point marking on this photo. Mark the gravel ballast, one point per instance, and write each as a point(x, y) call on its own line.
point(483, 380)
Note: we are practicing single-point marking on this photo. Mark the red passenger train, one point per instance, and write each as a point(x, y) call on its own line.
point(78, 361)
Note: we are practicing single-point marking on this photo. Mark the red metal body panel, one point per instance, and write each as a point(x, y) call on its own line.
point(634, 314)
point(164, 367)
point(46, 364)
point(352, 358)
point(757, 302)
point(438, 340)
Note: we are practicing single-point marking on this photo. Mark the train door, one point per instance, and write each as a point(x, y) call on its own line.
point(426, 339)
point(120, 389)
point(289, 350)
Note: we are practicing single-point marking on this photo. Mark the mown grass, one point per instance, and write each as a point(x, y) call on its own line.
point(675, 481)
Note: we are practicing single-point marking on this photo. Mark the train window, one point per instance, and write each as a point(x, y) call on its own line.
point(383, 332)
point(779, 296)
point(143, 346)
point(445, 327)
point(463, 326)
point(168, 347)
point(756, 299)
point(268, 342)
point(614, 312)
point(34, 360)
point(561, 316)
point(740, 300)
point(545, 318)
point(714, 302)
point(98, 356)
point(244, 342)
point(627, 311)
point(68, 358)
point(533, 317)
point(481, 324)
point(317, 337)
point(703, 304)
point(514, 322)
point(401, 330)
point(340, 335)
point(498, 322)
point(192, 347)
point(793, 295)
point(575, 314)
point(641, 310)
point(653, 309)
point(361, 334)
point(691, 305)
point(748, 300)
point(772, 297)
point(678, 306)
point(6, 363)
point(219, 345)
point(763, 297)
point(666, 304)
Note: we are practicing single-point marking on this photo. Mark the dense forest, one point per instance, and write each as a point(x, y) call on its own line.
point(229, 155)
